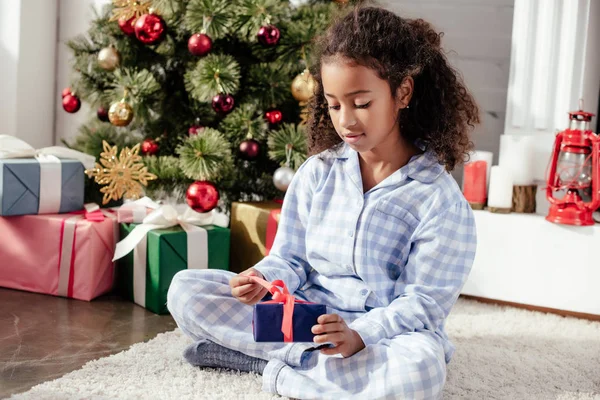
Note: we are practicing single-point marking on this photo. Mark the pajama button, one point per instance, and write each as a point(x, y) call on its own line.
point(364, 292)
point(351, 233)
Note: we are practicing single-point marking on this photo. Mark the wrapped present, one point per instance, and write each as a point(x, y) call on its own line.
point(134, 212)
point(249, 233)
point(285, 318)
point(44, 181)
point(168, 241)
point(67, 255)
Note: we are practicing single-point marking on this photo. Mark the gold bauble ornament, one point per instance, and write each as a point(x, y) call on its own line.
point(109, 58)
point(120, 113)
point(303, 86)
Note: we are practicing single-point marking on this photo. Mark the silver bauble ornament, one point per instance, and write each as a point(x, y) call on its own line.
point(109, 58)
point(283, 177)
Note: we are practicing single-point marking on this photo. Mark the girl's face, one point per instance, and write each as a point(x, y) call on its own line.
point(361, 106)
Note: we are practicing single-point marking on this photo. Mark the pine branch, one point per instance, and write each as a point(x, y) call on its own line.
point(166, 168)
point(216, 73)
point(242, 122)
point(213, 17)
point(168, 8)
point(92, 135)
point(269, 84)
point(206, 156)
point(253, 14)
point(140, 89)
point(290, 137)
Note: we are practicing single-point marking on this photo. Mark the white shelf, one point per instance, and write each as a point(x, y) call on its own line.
point(523, 258)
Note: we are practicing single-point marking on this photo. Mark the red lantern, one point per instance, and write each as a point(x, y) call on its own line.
point(575, 168)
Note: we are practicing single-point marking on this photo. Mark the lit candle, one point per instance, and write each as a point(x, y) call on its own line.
point(501, 188)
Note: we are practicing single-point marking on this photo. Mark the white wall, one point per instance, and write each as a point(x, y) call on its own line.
point(477, 39)
point(75, 17)
point(28, 68)
point(10, 14)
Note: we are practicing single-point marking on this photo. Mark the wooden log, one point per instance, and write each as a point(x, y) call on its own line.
point(523, 200)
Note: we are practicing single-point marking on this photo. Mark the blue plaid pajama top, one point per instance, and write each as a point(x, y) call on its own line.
point(399, 253)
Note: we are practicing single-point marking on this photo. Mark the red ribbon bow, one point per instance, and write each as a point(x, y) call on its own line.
point(281, 296)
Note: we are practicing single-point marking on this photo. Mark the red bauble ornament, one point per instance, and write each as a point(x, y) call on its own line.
point(149, 147)
point(66, 91)
point(268, 35)
point(202, 196)
point(273, 116)
point(195, 129)
point(223, 103)
point(150, 29)
point(102, 114)
point(71, 103)
point(127, 26)
point(200, 44)
point(249, 149)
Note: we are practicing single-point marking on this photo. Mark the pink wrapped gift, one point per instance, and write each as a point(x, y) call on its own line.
point(135, 211)
point(67, 255)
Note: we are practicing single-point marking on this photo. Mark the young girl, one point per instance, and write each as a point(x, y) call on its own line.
point(372, 225)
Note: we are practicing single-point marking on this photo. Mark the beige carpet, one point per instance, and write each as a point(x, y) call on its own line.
point(503, 353)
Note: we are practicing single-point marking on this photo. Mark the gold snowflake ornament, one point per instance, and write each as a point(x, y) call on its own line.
point(127, 9)
point(124, 174)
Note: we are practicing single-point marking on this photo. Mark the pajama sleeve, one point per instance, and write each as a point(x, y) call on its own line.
point(287, 258)
point(440, 259)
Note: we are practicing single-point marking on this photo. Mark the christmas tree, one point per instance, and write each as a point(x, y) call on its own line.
point(212, 93)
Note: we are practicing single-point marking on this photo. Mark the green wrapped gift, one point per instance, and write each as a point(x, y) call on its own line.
point(166, 253)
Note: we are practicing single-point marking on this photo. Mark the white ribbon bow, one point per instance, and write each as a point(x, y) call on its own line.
point(50, 168)
point(11, 147)
point(165, 217)
point(136, 210)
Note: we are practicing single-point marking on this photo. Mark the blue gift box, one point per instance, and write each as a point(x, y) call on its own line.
point(268, 317)
point(20, 186)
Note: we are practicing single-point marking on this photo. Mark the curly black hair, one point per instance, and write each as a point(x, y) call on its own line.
point(442, 112)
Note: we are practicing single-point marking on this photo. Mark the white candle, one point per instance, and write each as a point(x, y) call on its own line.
point(501, 188)
point(517, 156)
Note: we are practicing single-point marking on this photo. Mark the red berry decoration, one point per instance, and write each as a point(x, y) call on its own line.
point(202, 196)
point(102, 114)
point(71, 103)
point(273, 116)
point(149, 147)
point(268, 35)
point(249, 149)
point(223, 103)
point(199, 44)
point(66, 91)
point(195, 129)
point(150, 29)
point(127, 26)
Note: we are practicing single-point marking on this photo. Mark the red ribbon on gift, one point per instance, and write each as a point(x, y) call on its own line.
point(281, 296)
point(68, 237)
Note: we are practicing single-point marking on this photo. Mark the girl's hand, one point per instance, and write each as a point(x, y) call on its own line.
point(245, 289)
point(333, 329)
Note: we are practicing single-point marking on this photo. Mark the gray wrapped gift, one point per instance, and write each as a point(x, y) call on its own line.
point(44, 181)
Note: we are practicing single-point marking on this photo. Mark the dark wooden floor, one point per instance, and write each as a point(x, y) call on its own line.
point(44, 337)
